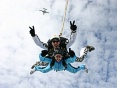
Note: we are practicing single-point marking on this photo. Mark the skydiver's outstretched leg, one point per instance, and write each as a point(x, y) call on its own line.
point(39, 63)
point(72, 69)
point(84, 52)
point(41, 69)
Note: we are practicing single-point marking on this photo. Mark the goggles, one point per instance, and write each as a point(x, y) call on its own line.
point(55, 40)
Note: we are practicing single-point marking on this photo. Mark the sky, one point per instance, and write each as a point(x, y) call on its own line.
point(96, 22)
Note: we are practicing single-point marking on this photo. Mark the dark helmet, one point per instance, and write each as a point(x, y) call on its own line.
point(58, 51)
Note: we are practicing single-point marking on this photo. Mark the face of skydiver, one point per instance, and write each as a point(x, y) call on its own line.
point(58, 57)
point(58, 54)
point(55, 43)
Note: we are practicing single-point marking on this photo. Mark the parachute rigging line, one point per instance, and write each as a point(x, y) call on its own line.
point(64, 18)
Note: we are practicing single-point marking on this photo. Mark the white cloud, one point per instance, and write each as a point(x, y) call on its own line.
point(96, 21)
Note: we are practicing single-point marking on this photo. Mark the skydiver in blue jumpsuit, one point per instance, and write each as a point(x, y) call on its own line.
point(58, 66)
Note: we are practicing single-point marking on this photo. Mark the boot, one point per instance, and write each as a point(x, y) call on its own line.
point(86, 69)
point(32, 71)
point(36, 64)
point(85, 50)
point(90, 48)
point(33, 66)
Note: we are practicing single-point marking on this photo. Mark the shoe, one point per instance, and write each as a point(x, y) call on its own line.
point(33, 66)
point(37, 63)
point(32, 71)
point(86, 69)
point(90, 48)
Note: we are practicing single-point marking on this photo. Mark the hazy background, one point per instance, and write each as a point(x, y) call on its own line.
point(96, 21)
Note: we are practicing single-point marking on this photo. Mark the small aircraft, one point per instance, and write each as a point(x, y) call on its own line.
point(44, 11)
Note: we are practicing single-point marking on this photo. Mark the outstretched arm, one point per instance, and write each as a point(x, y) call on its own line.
point(36, 38)
point(43, 57)
point(73, 34)
point(39, 43)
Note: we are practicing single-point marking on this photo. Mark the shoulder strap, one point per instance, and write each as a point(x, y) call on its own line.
point(52, 63)
point(49, 44)
point(63, 42)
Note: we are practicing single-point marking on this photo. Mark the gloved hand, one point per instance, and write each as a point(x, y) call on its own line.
point(32, 31)
point(71, 52)
point(73, 27)
point(44, 52)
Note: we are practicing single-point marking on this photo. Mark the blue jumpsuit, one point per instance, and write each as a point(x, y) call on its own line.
point(58, 66)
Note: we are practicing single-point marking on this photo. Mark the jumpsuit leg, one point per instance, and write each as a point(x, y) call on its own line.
point(72, 69)
point(43, 70)
point(85, 50)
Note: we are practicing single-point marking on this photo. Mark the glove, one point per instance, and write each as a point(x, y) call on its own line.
point(73, 27)
point(44, 53)
point(71, 52)
point(32, 31)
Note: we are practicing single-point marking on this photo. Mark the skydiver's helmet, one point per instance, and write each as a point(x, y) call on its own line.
point(55, 37)
point(58, 54)
point(55, 41)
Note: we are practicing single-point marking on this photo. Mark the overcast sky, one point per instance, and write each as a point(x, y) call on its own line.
point(96, 21)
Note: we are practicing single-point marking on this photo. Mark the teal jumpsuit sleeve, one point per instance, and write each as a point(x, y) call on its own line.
point(45, 59)
point(71, 59)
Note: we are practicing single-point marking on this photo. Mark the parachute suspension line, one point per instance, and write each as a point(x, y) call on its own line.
point(64, 18)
